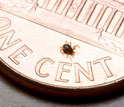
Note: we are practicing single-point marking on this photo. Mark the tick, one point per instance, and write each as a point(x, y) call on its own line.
point(68, 49)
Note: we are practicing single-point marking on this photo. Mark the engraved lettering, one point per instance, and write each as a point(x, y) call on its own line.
point(42, 69)
point(8, 40)
point(79, 68)
point(39, 66)
point(4, 23)
point(94, 15)
point(60, 71)
point(21, 51)
point(104, 65)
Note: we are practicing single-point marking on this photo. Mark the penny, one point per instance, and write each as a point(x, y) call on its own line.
point(63, 47)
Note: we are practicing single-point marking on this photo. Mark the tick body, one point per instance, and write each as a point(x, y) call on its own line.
point(68, 49)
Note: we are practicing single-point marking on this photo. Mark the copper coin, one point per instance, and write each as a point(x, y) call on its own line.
point(63, 47)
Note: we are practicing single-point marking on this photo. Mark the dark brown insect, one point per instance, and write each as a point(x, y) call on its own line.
point(68, 49)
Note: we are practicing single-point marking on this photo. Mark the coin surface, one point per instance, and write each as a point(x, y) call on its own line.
point(63, 47)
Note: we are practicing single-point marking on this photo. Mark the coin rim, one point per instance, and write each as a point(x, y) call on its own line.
point(56, 90)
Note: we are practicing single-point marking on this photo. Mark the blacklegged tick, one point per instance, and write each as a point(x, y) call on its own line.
point(68, 49)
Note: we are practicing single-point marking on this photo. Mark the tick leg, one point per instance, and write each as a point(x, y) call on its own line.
point(66, 42)
point(71, 58)
point(70, 44)
point(67, 56)
point(75, 47)
point(61, 50)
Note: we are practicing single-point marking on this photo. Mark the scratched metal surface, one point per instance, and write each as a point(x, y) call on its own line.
point(13, 95)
